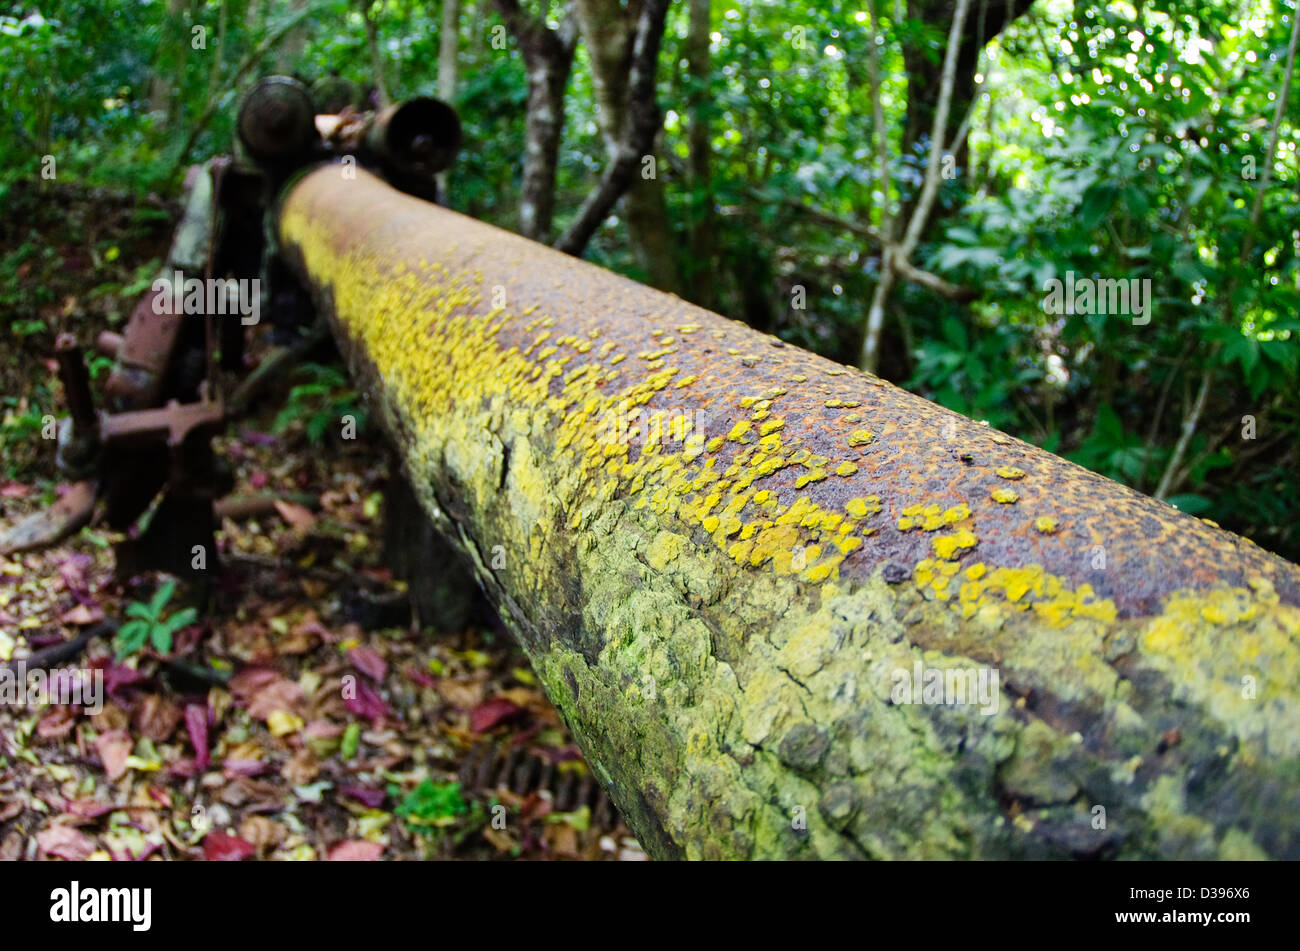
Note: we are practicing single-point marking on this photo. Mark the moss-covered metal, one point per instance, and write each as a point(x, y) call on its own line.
point(719, 552)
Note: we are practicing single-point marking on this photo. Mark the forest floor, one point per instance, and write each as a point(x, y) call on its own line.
point(288, 721)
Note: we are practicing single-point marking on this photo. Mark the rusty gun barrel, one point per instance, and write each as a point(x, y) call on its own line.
point(416, 138)
point(277, 120)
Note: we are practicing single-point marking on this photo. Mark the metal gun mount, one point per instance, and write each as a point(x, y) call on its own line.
point(147, 455)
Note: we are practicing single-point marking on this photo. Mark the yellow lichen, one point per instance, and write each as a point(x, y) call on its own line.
point(816, 475)
point(949, 546)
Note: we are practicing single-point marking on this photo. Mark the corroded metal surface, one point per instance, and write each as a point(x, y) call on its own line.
point(719, 550)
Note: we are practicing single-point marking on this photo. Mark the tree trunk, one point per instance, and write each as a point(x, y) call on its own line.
point(923, 72)
point(377, 72)
point(641, 127)
point(703, 254)
point(827, 618)
point(607, 32)
point(217, 54)
point(548, 59)
point(543, 130)
point(448, 59)
point(651, 234)
point(448, 50)
point(169, 63)
point(294, 43)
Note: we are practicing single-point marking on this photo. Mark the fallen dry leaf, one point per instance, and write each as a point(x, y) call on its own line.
point(58, 722)
point(112, 717)
point(368, 661)
point(265, 691)
point(298, 516)
point(156, 718)
point(356, 851)
point(64, 842)
point(196, 724)
point(113, 748)
point(466, 695)
point(302, 767)
point(494, 712)
point(501, 841)
point(262, 833)
point(218, 846)
point(82, 615)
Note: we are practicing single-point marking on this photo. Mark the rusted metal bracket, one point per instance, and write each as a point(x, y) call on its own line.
point(171, 424)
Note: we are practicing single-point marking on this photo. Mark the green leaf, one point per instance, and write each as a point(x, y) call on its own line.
point(1136, 202)
point(1199, 187)
point(1243, 350)
point(1190, 503)
point(162, 596)
point(351, 741)
point(1189, 271)
point(162, 639)
point(133, 630)
point(304, 390)
point(181, 619)
point(316, 427)
point(1285, 353)
point(1097, 202)
point(954, 331)
point(1109, 429)
point(579, 819)
point(130, 638)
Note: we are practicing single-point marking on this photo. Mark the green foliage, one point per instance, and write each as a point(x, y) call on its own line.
point(149, 623)
point(1110, 450)
point(321, 403)
point(85, 111)
point(1144, 162)
point(973, 376)
point(22, 420)
point(17, 295)
point(431, 804)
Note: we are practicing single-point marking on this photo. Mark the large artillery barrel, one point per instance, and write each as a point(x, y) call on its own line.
point(757, 583)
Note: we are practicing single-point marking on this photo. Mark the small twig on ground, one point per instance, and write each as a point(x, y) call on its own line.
point(58, 653)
